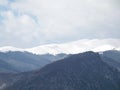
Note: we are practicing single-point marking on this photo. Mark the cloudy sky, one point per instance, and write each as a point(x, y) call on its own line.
point(28, 23)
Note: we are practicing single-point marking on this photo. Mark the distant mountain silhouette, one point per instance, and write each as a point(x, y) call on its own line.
point(23, 61)
point(85, 71)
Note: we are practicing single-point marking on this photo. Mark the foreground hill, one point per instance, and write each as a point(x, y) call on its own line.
point(85, 71)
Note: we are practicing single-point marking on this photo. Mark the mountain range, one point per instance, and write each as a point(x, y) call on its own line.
point(16, 61)
point(84, 71)
point(78, 65)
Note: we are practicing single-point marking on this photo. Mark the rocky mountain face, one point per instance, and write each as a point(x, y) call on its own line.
point(85, 71)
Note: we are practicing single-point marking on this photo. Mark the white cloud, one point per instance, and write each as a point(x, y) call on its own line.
point(21, 26)
point(60, 20)
point(13, 21)
point(58, 16)
point(3, 2)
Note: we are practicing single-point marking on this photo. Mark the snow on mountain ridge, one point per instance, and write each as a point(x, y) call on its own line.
point(74, 47)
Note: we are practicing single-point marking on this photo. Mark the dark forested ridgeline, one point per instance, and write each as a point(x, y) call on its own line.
point(85, 71)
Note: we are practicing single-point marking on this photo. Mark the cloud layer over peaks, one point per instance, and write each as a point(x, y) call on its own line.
point(47, 21)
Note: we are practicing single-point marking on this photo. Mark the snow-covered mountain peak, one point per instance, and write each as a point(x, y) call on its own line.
point(103, 48)
point(97, 45)
point(74, 47)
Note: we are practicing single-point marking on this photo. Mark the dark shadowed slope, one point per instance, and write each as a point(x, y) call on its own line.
point(113, 54)
point(112, 57)
point(84, 71)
